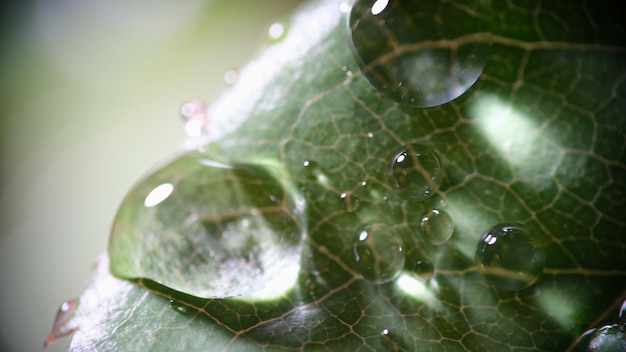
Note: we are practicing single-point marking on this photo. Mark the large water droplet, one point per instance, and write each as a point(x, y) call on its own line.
point(421, 53)
point(379, 254)
point(424, 269)
point(415, 172)
point(437, 226)
point(608, 338)
point(205, 219)
point(508, 258)
point(194, 117)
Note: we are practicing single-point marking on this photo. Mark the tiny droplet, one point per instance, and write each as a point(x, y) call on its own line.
point(421, 53)
point(415, 172)
point(312, 169)
point(386, 340)
point(378, 253)
point(231, 77)
point(194, 117)
point(349, 201)
point(508, 258)
point(276, 31)
point(179, 307)
point(437, 226)
point(424, 269)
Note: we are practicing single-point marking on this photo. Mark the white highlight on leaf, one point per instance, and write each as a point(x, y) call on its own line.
point(509, 130)
point(419, 289)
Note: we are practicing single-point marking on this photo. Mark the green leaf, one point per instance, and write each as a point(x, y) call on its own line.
point(539, 140)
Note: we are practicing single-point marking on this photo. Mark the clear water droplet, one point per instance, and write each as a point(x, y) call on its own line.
point(378, 253)
point(231, 77)
point(508, 258)
point(179, 307)
point(415, 172)
point(605, 338)
point(312, 169)
point(387, 341)
point(251, 223)
point(349, 201)
point(62, 325)
point(437, 226)
point(194, 117)
point(424, 269)
point(421, 53)
point(276, 31)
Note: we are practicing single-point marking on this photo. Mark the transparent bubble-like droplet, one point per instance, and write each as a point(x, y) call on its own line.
point(387, 341)
point(203, 220)
point(508, 258)
point(194, 117)
point(312, 169)
point(276, 31)
point(421, 53)
point(424, 269)
point(415, 172)
point(349, 201)
point(179, 307)
point(437, 226)
point(608, 338)
point(231, 77)
point(378, 253)
point(62, 325)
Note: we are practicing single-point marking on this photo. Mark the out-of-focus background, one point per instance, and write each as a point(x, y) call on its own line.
point(90, 94)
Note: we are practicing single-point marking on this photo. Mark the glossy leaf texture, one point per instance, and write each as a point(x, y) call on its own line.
point(539, 140)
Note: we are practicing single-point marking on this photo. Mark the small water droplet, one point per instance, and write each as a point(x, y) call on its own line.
point(421, 53)
point(437, 226)
point(387, 341)
point(415, 172)
point(62, 325)
point(378, 253)
point(312, 169)
point(179, 307)
point(508, 258)
point(349, 201)
point(194, 117)
point(276, 31)
point(231, 77)
point(424, 269)
point(344, 7)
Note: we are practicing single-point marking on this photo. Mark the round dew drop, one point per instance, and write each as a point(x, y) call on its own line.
point(606, 338)
point(424, 269)
point(349, 201)
point(507, 257)
point(378, 253)
point(421, 53)
point(415, 172)
point(437, 226)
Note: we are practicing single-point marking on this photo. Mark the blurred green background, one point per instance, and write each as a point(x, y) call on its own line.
point(90, 92)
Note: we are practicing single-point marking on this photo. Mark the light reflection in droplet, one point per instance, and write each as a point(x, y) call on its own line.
point(158, 194)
